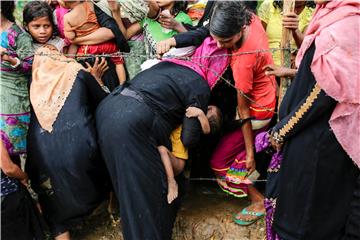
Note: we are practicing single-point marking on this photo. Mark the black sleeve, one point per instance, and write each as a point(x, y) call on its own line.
point(191, 127)
point(192, 38)
point(95, 91)
point(108, 22)
point(191, 132)
point(314, 105)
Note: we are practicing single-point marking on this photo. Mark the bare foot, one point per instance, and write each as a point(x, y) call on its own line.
point(172, 190)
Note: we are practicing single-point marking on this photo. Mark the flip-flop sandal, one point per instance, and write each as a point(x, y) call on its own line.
point(246, 212)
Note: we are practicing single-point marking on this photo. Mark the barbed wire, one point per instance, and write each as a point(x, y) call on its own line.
point(84, 57)
point(147, 56)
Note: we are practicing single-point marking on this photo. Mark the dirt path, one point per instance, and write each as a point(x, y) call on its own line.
point(206, 213)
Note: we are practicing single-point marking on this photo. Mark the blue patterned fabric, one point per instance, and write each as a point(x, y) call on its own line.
point(8, 185)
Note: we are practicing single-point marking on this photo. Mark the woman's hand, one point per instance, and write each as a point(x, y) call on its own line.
point(278, 71)
point(250, 164)
point(277, 145)
point(193, 112)
point(291, 21)
point(98, 69)
point(168, 21)
point(3, 55)
point(25, 180)
point(164, 46)
point(114, 5)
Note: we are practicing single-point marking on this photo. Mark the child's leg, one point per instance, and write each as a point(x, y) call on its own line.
point(120, 71)
point(172, 185)
point(178, 164)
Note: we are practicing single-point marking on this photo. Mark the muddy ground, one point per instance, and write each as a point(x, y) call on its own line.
point(206, 214)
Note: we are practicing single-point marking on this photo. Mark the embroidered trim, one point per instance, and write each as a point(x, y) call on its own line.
point(300, 113)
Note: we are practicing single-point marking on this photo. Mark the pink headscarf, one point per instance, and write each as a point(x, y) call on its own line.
point(208, 60)
point(335, 30)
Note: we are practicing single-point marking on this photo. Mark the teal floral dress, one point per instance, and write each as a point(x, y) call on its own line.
point(14, 94)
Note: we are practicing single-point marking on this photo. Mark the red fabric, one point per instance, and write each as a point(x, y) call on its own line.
point(102, 48)
point(248, 71)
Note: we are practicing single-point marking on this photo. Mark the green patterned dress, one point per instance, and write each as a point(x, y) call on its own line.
point(14, 94)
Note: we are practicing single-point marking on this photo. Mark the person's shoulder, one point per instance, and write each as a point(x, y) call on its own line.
point(266, 8)
point(21, 35)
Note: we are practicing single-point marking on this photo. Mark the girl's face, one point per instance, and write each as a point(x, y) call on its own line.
point(41, 29)
point(228, 42)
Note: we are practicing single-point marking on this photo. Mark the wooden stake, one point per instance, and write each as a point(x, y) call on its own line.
point(288, 7)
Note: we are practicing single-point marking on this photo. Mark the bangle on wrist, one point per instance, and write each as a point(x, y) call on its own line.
point(16, 64)
point(276, 137)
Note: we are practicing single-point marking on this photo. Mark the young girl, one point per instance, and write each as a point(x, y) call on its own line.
point(82, 21)
point(38, 21)
point(169, 23)
point(174, 161)
point(16, 59)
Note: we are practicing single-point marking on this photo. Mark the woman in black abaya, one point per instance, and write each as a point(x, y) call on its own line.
point(64, 164)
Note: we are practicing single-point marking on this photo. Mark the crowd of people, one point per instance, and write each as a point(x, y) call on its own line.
point(109, 99)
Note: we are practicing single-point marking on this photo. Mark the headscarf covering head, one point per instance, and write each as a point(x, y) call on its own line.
point(335, 31)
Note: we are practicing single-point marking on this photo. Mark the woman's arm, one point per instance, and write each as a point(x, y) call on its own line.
point(313, 106)
point(116, 13)
point(244, 112)
point(291, 22)
point(272, 69)
point(93, 80)
point(133, 30)
point(110, 23)
point(8, 167)
point(186, 39)
point(154, 10)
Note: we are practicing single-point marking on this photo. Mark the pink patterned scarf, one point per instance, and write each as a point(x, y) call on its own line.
point(335, 30)
point(208, 60)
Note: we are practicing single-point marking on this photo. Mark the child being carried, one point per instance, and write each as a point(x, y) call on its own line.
point(82, 21)
point(174, 161)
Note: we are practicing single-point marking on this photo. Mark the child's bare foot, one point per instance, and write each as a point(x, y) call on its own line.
point(172, 190)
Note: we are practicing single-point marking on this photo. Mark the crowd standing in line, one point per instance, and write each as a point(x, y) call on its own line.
point(169, 72)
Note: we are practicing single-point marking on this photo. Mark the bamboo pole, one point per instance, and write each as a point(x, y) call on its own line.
point(288, 7)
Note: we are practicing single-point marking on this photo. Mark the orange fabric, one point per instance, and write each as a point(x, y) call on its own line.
point(91, 19)
point(248, 71)
point(102, 48)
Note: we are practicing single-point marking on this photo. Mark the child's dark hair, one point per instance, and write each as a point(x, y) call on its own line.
point(279, 4)
point(37, 9)
point(178, 7)
point(7, 10)
point(215, 122)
